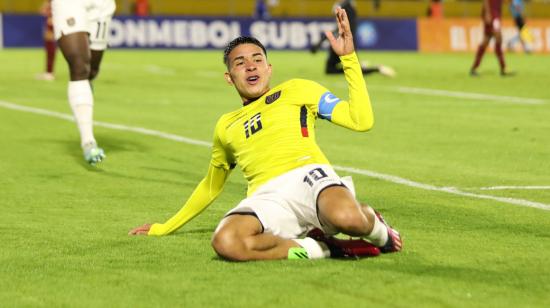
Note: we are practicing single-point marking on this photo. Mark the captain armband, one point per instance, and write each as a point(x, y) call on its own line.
point(326, 105)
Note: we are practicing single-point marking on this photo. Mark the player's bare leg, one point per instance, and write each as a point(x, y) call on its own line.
point(339, 210)
point(51, 47)
point(394, 242)
point(97, 56)
point(76, 50)
point(499, 53)
point(479, 54)
point(240, 238)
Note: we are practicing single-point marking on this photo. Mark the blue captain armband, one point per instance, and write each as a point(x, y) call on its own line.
point(326, 104)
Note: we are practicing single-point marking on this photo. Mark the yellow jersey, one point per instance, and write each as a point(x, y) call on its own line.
point(275, 134)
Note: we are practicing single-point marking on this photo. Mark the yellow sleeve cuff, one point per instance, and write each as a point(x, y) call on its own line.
point(156, 229)
point(349, 59)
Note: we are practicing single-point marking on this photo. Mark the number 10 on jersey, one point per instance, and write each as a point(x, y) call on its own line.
point(253, 125)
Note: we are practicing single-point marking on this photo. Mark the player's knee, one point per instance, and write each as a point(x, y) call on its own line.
point(93, 73)
point(228, 245)
point(350, 221)
point(79, 68)
point(80, 71)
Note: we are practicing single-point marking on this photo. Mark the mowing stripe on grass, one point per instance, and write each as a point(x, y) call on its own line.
point(402, 89)
point(380, 176)
point(159, 70)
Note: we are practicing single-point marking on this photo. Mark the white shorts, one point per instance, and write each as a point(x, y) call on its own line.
point(287, 205)
point(92, 16)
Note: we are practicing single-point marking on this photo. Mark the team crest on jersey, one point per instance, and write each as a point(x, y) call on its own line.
point(273, 97)
point(70, 21)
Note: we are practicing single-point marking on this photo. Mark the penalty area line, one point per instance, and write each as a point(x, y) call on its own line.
point(381, 176)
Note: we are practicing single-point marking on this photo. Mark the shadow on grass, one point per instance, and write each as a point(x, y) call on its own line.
point(109, 143)
point(414, 266)
point(200, 231)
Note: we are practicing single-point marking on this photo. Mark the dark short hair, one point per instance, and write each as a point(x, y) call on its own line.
point(239, 41)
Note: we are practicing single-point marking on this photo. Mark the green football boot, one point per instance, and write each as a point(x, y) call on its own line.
point(93, 154)
point(297, 253)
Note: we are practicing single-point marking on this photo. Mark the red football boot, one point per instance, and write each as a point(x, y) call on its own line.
point(394, 243)
point(339, 248)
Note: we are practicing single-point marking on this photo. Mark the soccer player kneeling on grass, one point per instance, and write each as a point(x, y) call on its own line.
point(292, 189)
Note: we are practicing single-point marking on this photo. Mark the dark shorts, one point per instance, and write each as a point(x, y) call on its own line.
point(520, 22)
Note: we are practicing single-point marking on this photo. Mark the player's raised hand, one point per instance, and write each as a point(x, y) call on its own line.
point(141, 230)
point(343, 44)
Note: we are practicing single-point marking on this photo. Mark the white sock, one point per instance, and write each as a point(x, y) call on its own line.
point(379, 233)
point(314, 249)
point(81, 101)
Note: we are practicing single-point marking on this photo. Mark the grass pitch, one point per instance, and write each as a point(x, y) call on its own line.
point(63, 224)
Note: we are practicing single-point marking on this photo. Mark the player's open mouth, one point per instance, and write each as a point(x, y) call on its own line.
point(252, 80)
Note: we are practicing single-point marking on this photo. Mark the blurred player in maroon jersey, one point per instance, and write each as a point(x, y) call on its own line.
point(141, 8)
point(491, 15)
point(50, 44)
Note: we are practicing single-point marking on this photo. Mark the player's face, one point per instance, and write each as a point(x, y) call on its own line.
point(248, 71)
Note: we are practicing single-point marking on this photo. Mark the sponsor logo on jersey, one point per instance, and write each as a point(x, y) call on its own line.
point(273, 97)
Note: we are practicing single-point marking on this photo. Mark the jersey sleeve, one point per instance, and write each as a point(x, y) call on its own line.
point(203, 195)
point(221, 157)
point(354, 113)
point(205, 192)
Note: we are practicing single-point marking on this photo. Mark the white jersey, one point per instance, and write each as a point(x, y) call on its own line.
point(92, 16)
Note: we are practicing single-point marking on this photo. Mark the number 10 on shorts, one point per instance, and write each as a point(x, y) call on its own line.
point(314, 175)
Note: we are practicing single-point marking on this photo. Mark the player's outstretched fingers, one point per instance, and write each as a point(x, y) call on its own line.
point(330, 37)
point(338, 13)
point(141, 230)
point(344, 22)
point(343, 44)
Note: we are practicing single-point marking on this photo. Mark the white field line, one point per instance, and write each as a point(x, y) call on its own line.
point(513, 188)
point(467, 95)
point(450, 190)
point(454, 94)
point(139, 130)
point(381, 176)
point(470, 95)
